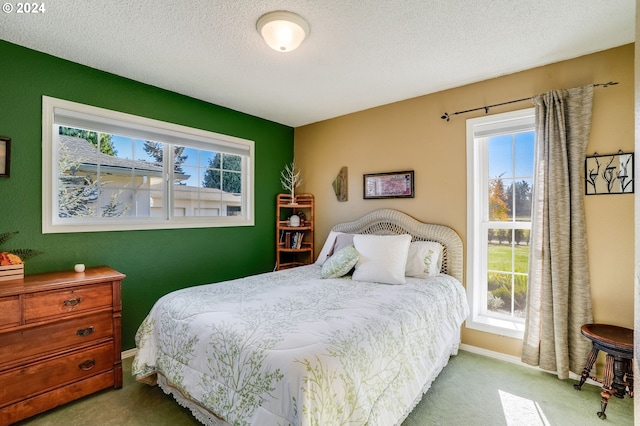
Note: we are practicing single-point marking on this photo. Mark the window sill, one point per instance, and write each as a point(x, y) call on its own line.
point(496, 326)
point(51, 227)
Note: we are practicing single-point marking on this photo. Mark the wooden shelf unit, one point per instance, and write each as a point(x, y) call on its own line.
point(286, 256)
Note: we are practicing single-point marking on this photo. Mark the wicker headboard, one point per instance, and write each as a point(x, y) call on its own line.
point(389, 222)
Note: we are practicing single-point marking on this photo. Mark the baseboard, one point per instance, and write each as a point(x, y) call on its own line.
point(515, 360)
point(129, 353)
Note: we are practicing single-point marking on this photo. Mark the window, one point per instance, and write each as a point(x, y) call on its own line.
point(500, 162)
point(105, 170)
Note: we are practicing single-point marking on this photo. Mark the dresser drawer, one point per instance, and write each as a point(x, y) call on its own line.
point(33, 379)
point(9, 311)
point(18, 346)
point(40, 306)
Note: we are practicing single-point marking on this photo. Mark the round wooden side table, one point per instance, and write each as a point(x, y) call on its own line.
point(617, 342)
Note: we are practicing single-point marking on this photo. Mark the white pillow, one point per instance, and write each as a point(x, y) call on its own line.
point(424, 260)
point(383, 258)
point(327, 248)
point(342, 241)
point(340, 263)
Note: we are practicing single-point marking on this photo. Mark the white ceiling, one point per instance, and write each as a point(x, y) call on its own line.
point(359, 54)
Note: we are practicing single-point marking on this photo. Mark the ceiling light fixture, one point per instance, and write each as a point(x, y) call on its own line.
point(283, 31)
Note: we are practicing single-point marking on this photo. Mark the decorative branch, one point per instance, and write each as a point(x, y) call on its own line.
point(608, 175)
point(623, 174)
point(592, 175)
point(290, 179)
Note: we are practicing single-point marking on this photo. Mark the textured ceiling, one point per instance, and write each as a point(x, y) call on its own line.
point(359, 54)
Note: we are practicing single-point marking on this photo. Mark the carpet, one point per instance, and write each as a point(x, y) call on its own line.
point(472, 390)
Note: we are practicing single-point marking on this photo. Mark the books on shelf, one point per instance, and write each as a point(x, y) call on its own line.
point(292, 240)
point(296, 241)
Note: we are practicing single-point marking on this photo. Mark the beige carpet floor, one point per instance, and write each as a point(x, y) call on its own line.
point(472, 390)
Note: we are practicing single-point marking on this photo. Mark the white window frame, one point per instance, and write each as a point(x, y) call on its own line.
point(88, 117)
point(478, 131)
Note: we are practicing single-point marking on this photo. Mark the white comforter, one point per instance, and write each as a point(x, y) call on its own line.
point(289, 348)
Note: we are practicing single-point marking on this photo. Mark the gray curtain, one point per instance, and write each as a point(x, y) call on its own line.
point(558, 290)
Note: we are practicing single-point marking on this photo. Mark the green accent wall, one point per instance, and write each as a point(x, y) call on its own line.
point(155, 262)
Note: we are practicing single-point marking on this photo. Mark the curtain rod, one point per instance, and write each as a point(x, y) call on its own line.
point(447, 116)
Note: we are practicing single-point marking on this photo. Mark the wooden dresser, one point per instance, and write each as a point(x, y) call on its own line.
point(59, 339)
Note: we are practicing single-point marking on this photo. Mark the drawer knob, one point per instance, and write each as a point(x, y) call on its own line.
point(72, 303)
point(87, 365)
point(84, 331)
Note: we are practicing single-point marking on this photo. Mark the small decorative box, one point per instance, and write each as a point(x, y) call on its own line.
point(11, 272)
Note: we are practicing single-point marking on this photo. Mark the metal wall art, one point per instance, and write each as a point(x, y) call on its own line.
point(609, 174)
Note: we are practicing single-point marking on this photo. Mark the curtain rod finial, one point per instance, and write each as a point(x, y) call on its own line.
point(445, 116)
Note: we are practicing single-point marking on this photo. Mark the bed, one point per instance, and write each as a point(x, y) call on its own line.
point(308, 345)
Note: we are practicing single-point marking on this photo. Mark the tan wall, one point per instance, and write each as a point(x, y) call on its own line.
point(636, 344)
point(409, 135)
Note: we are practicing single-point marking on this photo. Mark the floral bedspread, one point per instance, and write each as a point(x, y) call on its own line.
point(289, 348)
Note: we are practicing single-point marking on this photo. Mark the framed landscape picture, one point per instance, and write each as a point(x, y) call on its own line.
point(5, 156)
point(389, 185)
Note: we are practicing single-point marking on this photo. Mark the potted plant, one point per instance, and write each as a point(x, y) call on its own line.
point(12, 260)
